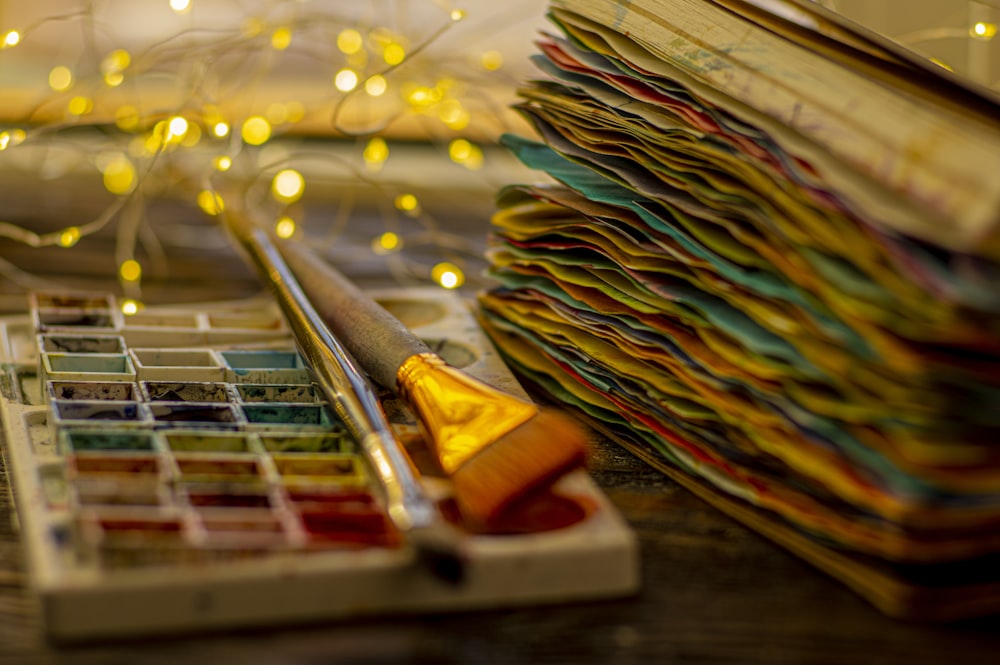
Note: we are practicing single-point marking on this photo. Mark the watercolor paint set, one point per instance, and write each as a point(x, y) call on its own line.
point(179, 470)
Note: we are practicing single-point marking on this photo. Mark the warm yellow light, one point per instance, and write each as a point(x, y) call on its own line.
point(17, 137)
point(131, 307)
point(211, 202)
point(220, 129)
point(130, 270)
point(387, 242)
point(459, 150)
point(457, 14)
point(69, 236)
point(119, 175)
point(376, 85)
point(256, 130)
point(4, 140)
point(448, 275)
point(376, 152)
point(281, 39)
point(127, 117)
point(116, 61)
point(983, 30)
point(177, 127)
point(80, 105)
point(277, 113)
point(296, 111)
point(349, 41)
point(288, 186)
point(453, 114)
point(346, 80)
point(180, 6)
point(942, 64)
point(11, 38)
point(407, 202)
point(114, 79)
point(222, 163)
point(394, 53)
point(491, 60)
point(252, 26)
point(285, 228)
point(60, 78)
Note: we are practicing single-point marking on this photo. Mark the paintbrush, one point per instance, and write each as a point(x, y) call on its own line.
point(497, 449)
point(437, 543)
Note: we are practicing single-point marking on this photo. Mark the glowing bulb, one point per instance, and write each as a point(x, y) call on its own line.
point(457, 14)
point(211, 202)
point(406, 202)
point(376, 85)
point(131, 307)
point(180, 6)
point(220, 129)
point(296, 111)
point(349, 41)
point(376, 152)
point(285, 228)
point(453, 114)
point(256, 130)
point(119, 175)
point(491, 60)
point(346, 80)
point(288, 186)
point(177, 127)
point(394, 53)
point(277, 113)
point(127, 117)
point(116, 61)
point(4, 140)
point(222, 163)
point(80, 105)
point(281, 39)
point(983, 30)
point(448, 275)
point(385, 243)
point(130, 270)
point(11, 38)
point(114, 79)
point(69, 236)
point(60, 78)
point(459, 150)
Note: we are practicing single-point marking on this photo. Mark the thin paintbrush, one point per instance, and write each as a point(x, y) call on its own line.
point(496, 449)
point(354, 399)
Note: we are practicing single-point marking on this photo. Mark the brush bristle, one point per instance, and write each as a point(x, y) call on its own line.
point(528, 458)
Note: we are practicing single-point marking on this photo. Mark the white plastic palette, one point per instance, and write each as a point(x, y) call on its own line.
point(178, 470)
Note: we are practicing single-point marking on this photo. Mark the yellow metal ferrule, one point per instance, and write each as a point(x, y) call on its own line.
point(459, 414)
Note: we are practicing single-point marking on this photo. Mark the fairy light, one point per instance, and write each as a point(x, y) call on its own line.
point(349, 41)
point(119, 175)
point(491, 60)
point(177, 127)
point(983, 30)
point(222, 163)
point(448, 275)
point(4, 140)
point(130, 270)
point(376, 85)
point(256, 130)
point(457, 15)
point(375, 153)
point(295, 110)
point(288, 186)
point(131, 307)
point(80, 105)
point(285, 227)
point(69, 236)
point(394, 53)
point(407, 203)
point(454, 115)
point(346, 80)
point(220, 129)
point(180, 6)
point(11, 38)
point(465, 153)
point(60, 78)
point(210, 202)
point(387, 243)
point(281, 39)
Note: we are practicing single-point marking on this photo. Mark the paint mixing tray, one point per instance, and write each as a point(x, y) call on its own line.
point(178, 470)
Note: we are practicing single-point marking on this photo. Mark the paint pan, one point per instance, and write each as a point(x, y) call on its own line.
point(80, 440)
point(185, 391)
point(225, 495)
point(53, 343)
point(99, 413)
point(264, 366)
point(194, 414)
point(180, 328)
point(277, 392)
point(92, 390)
point(105, 492)
point(57, 300)
point(343, 519)
point(209, 442)
point(299, 442)
point(138, 536)
point(228, 469)
point(288, 415)
point(135, 465)
point(246, 530)
point(87, 367)
point(180, 365)
point(77, 320)
point(340, 469)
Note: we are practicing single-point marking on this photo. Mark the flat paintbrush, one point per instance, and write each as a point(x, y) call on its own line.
point(496, 449)
point(437, 543)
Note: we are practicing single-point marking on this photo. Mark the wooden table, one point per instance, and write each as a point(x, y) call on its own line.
point(713, 591)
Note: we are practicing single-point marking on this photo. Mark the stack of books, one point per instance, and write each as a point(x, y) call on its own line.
point(768, 262)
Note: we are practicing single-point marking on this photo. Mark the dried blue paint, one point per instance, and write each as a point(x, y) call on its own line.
point(173, 391)
point(194, 414)
point(96, 410)
point(288, 414)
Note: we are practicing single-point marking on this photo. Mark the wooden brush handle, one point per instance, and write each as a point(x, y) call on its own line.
point(377, 339)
